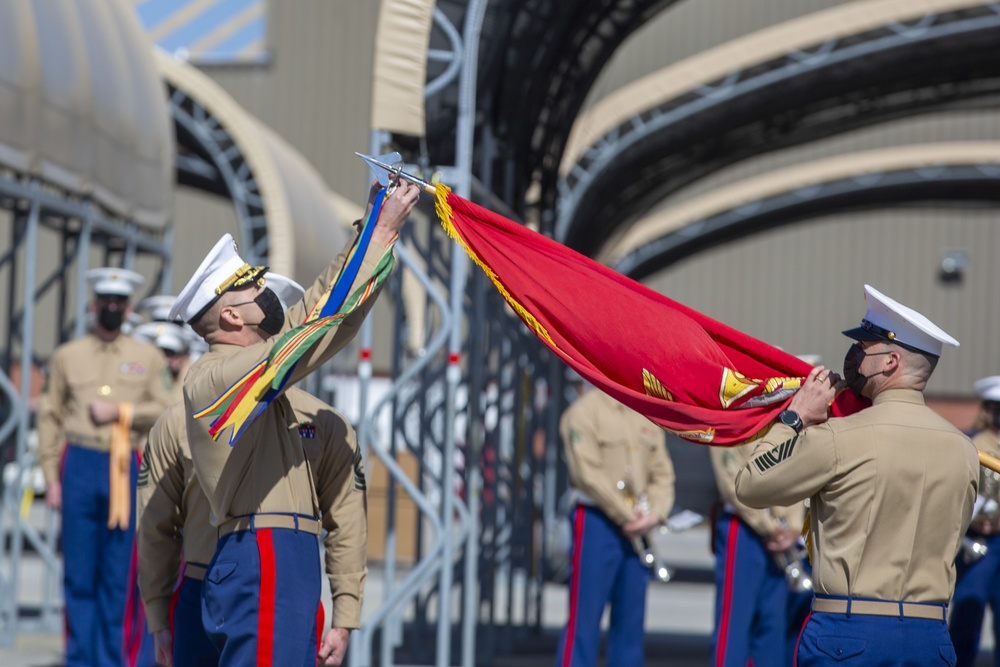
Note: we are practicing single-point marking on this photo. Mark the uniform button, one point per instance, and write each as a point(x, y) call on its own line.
point(105, 390)
point(840, 651)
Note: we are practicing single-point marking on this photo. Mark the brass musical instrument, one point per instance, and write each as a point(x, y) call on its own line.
point(644, 547)
point(792, 561)
point(974, 548)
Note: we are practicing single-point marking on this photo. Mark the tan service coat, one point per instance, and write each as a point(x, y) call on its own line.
point(891, 491)
point(726, 464)
point(266, 470)
point(174, 512)
point(175, 386)
point(124, 370)
point(606, 442)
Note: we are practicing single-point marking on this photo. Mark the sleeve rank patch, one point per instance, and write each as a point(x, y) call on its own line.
point(359, 471)
point(768, 460)
point(143, 478)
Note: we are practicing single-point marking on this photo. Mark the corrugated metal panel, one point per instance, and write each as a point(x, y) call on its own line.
point(316, 90)
point(798, 287)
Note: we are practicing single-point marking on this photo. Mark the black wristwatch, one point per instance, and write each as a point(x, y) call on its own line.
point(791, 418)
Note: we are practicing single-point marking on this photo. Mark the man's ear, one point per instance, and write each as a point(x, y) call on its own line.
point(230, 316)
point(893, 360)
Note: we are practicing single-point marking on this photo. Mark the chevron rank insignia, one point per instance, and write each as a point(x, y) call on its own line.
point(359, 471)
point(768, 460)
point(143, 479)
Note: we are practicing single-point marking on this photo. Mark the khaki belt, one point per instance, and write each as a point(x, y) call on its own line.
point(932, 611)
point(195, 571)
point(256, 521)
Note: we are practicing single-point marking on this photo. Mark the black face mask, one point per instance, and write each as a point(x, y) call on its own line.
point(111, 318)
point(274, 314)
point(854, 380)
point(993, 413)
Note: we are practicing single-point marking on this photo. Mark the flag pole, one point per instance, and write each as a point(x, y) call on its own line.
point(429, 188)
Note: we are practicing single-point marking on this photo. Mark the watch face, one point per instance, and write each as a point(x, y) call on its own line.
point(789, 418)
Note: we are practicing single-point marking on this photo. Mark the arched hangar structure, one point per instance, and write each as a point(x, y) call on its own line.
point(287, 217)
point(962, 171)
point(537, 63)
point(819, 75)
point(88, 161)
point(85, 176)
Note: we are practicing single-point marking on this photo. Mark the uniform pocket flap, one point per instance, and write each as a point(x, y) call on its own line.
point(221, 571)
point(840, 648)
point(948, 654)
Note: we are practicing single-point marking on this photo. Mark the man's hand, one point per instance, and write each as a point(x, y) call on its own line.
point(983, 525)
point(163, 641)
point(53, 496)
point(373, 190)
point(395, 210)
point(334, 647)
point(639, 525)
point(103, 411)
point(781, 539)
point(812, 401)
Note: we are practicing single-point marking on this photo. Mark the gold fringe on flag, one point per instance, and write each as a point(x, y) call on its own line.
point(120, 487)
point(446, 215)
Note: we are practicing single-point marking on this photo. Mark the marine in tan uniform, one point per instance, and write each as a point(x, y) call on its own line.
point(891, 491)
point(751, 589)
point(978, 563)
point(103, 393)
point(262, 496)
point(623, 479)
point(174, 520)
point(172, 341)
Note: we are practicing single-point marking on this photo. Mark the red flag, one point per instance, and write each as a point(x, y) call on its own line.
point(693, 376)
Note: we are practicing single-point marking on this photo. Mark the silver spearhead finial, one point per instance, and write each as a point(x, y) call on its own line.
point(385, 172)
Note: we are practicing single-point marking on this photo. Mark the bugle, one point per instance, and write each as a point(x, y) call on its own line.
point(792, 561)
point(972, 549)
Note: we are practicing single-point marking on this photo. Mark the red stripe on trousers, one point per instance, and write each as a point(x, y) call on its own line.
point(727, 592)
point(134, 622)
point(174, 597)
point(795, 657)
point(265, 615)
point(574, 590)
point(320, 622)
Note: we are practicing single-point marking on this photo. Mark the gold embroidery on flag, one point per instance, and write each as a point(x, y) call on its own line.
point(654, 387)
point(735, 386)
point(773, 384)
point(706, 436)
